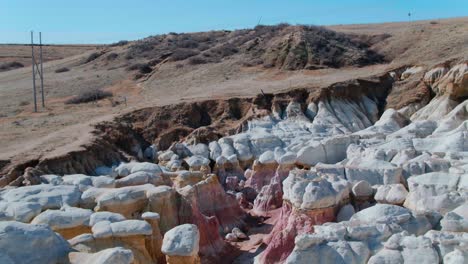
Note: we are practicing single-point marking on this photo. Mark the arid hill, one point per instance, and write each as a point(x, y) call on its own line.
point(173, 68)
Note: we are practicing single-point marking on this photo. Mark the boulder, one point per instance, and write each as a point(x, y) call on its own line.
point(68, 221)
point(46, 195)
point(374, 171)
point(382, 213)
point(362, 190)
point(19, 211)
point(435, 191)
point(391, 194)
point(199, 163)
point(200, 149)
point(456, 220)
point(345, 213)
point(330, 150)
point(105, 216)
point(140, 178)
point(180, 245)
point(117, 255)
point(147, 167)
point(408, 249)
point(126, 200)
point(129, 234)
point(331, 252)
point(28, 243)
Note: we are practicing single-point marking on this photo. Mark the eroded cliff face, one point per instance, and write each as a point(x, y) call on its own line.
point(339, 174)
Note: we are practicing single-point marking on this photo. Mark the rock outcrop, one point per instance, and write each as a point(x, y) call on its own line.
point(29, 243)
point(332, 175)
point(180, 245)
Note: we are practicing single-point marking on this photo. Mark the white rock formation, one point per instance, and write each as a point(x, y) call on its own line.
point(28, 243)
point(117, 255)
point(181, 243)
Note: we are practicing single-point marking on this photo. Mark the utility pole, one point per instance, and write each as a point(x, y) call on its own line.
point(37, 70)
point(33, 72)
point(42, 70)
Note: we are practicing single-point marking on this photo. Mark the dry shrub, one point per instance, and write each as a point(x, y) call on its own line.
point(112, 56)
point(93, 56)
point(11, 66)
point(120, 43)
point(197, 60)
point(63, 69)
point(182, 54)
point(142, 68)
point(87, 96)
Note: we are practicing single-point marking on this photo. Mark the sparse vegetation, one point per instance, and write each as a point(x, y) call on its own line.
point(119, 43)
point(24, 103)
point(63, 69)
point(183, 53)
point(10, 66)
point(155, 62)
point(90, 95)
point(93, 56)
point(272, 46)
point(142, 68)
point(112, 56)
point(197, 60)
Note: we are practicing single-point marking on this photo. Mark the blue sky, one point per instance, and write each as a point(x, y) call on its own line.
point(106, 21)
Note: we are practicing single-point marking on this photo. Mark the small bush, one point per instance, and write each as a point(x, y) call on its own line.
point(120, 43)
point(63, 69)
point(197, 60)
point(10, 66)
point(93, 56)
point(433, 22)
point(182, 54)
point(112, 56)
point(24, 103)
point(141, 47)
point(225, 50)
point(142, 68)
point(188, 44)
point(89, 96)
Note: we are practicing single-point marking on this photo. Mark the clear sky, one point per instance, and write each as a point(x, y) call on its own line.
point(106, 21)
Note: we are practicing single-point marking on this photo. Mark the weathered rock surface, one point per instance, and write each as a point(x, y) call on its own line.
point(349, 187)
point(308, 200)
point(116, 255)
point(28, 243)
point(180, 245)
point(435, 191)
